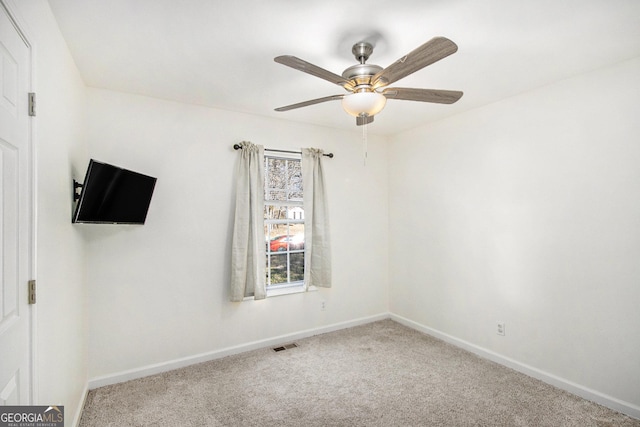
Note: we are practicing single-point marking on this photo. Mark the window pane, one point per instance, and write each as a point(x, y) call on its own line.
point(295, 195)
point(296, 238)
point(275, 212)
point(278, 243)
point(277, 174)
point(297, 266)
point(276, 195)
point(295, 213)
point(294, 172)
point(278, 268)
point(276, 237)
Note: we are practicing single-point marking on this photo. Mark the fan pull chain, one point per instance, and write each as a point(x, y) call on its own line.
point(364, 143)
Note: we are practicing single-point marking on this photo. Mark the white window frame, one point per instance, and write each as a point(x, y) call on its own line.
point(289, 287)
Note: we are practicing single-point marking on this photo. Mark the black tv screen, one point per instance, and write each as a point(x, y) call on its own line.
point(112, 195)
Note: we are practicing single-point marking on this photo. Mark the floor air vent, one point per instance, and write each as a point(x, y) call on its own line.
point(285, 347)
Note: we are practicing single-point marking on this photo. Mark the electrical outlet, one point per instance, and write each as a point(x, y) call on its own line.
point(500, 330)
point(323, 306)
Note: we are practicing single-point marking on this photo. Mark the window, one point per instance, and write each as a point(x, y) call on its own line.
point(283, 222)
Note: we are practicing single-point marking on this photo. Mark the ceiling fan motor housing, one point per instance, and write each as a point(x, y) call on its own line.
point(362, 73)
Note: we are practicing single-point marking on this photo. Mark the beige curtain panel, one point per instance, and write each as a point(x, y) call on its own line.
point(248, 248)
point(317, 247)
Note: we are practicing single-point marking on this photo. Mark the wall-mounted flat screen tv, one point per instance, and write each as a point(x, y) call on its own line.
point(112, 195)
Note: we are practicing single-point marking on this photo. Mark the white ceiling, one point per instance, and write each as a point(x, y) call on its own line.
point(220, 53)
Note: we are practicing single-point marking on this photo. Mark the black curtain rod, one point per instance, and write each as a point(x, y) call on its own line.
point(238, 146)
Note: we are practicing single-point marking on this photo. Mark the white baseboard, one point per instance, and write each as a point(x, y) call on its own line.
point(229, 351)
point(577, 389)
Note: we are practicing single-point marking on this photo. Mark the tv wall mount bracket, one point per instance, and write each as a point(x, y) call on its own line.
point(76, 185)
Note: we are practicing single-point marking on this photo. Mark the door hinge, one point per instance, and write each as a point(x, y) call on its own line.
point(32, 291)
point(32, 104)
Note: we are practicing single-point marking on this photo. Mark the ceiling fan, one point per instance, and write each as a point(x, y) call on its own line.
point(366, 84)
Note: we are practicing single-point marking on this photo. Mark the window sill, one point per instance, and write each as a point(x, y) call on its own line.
point(289, 290)
point(285, 291)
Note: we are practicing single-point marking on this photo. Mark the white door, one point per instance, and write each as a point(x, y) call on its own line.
point(15, 216)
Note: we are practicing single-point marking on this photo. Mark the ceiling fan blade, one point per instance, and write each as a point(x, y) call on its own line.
point(310, 102)
point(423, 95)
point(314, 70)
point(364, 120)
point(430, 52)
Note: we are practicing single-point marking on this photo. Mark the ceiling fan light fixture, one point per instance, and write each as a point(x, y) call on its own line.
point(363, 103)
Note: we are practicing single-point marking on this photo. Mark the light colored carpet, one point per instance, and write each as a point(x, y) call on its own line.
point(379, 374)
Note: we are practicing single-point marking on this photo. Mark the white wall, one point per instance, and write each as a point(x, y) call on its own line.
point(61, 365)
point(527, 211)
point(159, 292)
